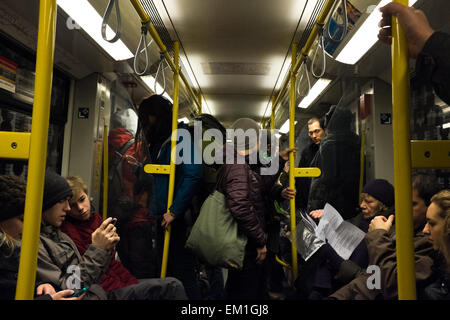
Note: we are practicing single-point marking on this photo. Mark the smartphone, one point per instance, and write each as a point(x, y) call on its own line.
point(79, 293)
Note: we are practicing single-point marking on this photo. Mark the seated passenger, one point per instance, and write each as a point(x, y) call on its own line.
point(80, 223)
point(60, 263)
point(12, 202)
point(381, 246)
point(437, 230)
point(332, 271)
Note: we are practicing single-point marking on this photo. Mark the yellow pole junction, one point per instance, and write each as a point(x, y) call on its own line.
point(176, 86)
point(175, 68)
point(291, 162)
point(105, 173)
point(38, 150)
point(402, 163)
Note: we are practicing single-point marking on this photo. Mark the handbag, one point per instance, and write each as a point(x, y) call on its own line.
point(214, 237)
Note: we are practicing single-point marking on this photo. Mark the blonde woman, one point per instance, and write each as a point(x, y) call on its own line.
point(437, 230)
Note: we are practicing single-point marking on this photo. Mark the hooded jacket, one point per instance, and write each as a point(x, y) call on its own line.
point(61, 264)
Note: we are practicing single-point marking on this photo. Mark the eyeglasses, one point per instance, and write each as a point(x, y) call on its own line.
point(317, 131)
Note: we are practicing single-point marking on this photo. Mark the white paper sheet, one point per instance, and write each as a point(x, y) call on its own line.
point(343, 236)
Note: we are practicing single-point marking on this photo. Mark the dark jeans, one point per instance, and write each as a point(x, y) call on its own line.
point(248, 283)
point(151, 289)
point(136, 252)
point(181, 262)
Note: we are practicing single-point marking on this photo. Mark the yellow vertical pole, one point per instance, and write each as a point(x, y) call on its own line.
point(176, 86)
point(272, 114)
point(361, 162)
point(199, 103)
point(402, 163)
point(291, 160)
point(38, 150)
point(105, 173)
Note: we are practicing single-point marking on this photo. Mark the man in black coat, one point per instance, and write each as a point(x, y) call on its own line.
point(316, 132)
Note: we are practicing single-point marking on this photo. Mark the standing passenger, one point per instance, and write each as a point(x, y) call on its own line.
point(316, 132)
point(155, 122)
point(244, 189)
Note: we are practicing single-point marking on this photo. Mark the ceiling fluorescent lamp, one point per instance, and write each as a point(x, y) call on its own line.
point(150, 82)
point(365, 37)
point(285, 127)
point(86, 17)
point(314, 92)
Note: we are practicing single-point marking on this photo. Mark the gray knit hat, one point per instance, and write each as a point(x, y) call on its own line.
point(247, 137)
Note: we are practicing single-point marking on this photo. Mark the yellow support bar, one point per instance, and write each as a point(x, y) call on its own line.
point(291, 162)
point(200, 104)
point(272, 115)
point(176, 87)
point(307, 172)
point(307, 47)
point(402, 163)
point(15, 145)
point(151, 28)
point(433, 154)
point(157, 168)
point(105, 172)
point(38, 150)
point(361, 163)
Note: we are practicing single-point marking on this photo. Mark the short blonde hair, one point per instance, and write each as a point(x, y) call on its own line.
point(78, 187)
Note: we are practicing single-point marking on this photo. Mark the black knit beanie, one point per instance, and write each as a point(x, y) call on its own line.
point(56, 189)
point(381, 190)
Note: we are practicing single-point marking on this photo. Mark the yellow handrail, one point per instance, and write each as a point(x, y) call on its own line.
point(306, 48)
point(105, 173)
point(291, 162)
point(176, 85)
point(402, 163)
point(144, 19)
point(38, 150)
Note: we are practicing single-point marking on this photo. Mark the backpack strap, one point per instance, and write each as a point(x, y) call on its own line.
point(116, 164)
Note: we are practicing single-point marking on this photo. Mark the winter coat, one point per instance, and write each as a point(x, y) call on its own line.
point(303, 184)
point(9, 269)
point(188, 176)
point(116, 276)
point(244, 189)
point(382, 252)
point(60, 263)
point(339, 160)
point(433, 64)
